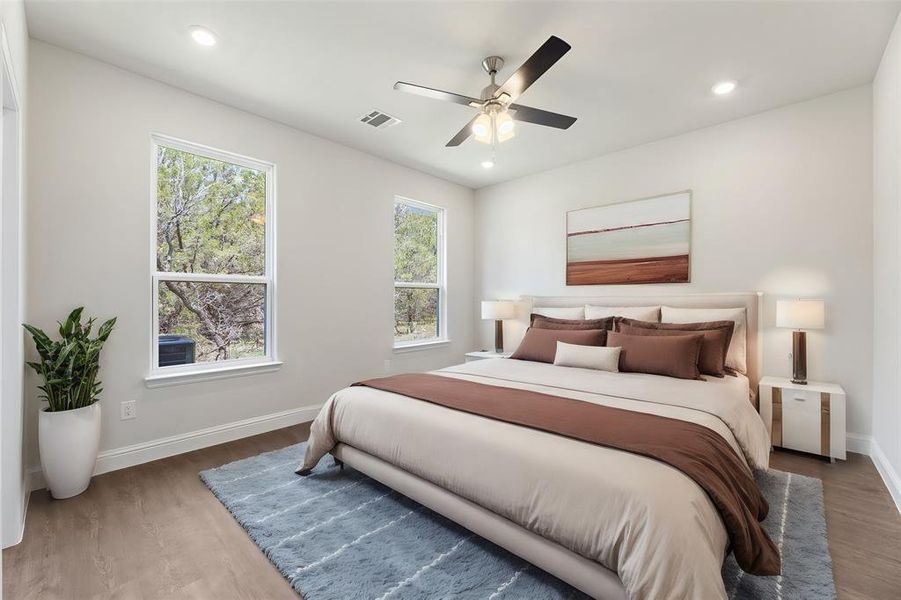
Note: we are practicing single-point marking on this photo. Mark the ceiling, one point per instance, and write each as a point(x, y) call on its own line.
point(637, 71)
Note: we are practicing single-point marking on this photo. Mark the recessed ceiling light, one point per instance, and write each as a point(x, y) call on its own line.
point(724, 87)
point(487, 164)
point(203, 36)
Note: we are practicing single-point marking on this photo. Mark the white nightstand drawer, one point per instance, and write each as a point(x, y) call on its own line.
point(801, 425)
point(802, 400)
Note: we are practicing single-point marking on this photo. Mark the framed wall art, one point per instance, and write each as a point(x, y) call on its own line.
point(641, 241)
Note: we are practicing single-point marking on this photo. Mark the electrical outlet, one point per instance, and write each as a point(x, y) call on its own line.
point(129, 410)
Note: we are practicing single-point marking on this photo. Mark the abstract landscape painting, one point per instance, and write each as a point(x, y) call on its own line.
point(643, 241)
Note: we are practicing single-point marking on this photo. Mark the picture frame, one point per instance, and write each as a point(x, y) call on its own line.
point(643, 241)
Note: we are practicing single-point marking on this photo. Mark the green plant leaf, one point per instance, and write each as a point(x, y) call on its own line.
point(105, 330)
point(42, 341)
point(72, 321)
point(69, 365)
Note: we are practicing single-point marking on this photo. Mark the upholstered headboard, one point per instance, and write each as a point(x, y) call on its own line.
point(752, 301)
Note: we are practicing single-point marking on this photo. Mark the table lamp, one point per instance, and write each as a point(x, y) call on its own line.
point(498, 310)
point(800, 315)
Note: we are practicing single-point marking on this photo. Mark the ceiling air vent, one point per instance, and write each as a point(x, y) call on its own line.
point(379, 120)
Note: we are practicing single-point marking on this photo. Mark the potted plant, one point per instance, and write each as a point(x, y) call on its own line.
point(69, 427)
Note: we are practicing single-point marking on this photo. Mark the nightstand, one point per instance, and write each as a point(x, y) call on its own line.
point(484, 354)
point(809, 418)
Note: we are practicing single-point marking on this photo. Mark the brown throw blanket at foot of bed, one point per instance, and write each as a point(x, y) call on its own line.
point(700, 453)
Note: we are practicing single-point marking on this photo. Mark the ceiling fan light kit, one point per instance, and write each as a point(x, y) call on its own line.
point(493, 125)
point(496, 121)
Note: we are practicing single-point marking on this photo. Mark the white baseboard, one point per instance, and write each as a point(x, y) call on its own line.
point(888, 473)
point(129, 456)
point(25, 513)
point(36, 480)
point(8, 543)
point(865, 444)
point(860, 444)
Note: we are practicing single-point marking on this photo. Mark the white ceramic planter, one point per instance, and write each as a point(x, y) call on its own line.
point(69, 441)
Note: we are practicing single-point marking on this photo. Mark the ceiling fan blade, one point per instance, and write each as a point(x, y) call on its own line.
point(544, 58)
point(463, 134)
point(541, 117)
point(419, 90)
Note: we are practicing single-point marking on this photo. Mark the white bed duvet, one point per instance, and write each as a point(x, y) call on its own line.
point(645, 520)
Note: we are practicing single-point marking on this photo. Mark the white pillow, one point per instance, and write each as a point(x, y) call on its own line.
point(736, 357)
point(641, 313)
point(601, 358)
point(561, 313)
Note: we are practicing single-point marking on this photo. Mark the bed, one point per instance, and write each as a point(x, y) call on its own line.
point(610, 523)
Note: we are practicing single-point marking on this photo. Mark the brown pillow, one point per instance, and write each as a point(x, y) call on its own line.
point(542, 322)
point(712, 360)
point(674, 356)
point(540, 345)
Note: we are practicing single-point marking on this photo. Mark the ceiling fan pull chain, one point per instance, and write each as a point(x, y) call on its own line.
point(494, 140)
point(493, 131)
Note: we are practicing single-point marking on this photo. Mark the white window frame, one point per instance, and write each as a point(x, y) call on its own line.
point(441, 280)
point(159, 376)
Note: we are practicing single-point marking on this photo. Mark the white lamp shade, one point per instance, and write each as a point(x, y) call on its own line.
point(801, 314)
point(498, 309)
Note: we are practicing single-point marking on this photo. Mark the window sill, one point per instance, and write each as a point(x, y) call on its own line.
point(416, 346)
point(167, 379)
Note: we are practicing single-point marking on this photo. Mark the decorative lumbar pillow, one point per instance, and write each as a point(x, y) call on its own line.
point(642, 313)
point(542, 322)
point(540, 345)
point(577, 312)
point(717, 335)
point(600, 358)
point(673, 356)
point(736, 357)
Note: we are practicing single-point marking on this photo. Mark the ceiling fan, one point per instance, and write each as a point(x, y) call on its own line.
point(497, 111)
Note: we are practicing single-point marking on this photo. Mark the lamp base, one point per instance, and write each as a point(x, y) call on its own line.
point(799, 357)
point(499, 336)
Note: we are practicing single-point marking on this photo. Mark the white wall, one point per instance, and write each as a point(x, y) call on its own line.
point(781, 205)
point(887, 263)
point(90, 143)
point(12, 475)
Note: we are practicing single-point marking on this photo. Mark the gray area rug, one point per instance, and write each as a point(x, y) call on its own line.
point(339, 534)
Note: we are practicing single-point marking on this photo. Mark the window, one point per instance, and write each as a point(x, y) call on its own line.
point(213, 264)
point(419, 284)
